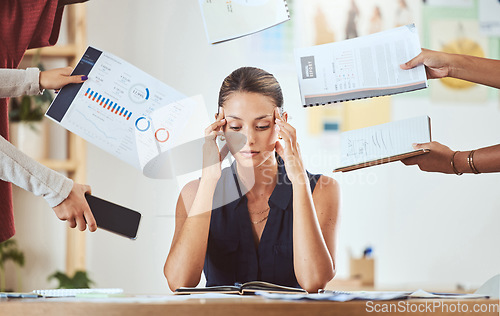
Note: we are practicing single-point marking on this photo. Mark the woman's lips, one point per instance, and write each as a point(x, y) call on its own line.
point(248, 153)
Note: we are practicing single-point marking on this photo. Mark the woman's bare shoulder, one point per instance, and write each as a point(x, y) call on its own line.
point(327, 191)
point(188, 193)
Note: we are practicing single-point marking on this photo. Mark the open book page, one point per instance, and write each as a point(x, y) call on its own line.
point(377, 144)
point(125, 111)
point(256, 286)
point(226, 20)
point(245, 288)
point(224, 289)
point(366, 66)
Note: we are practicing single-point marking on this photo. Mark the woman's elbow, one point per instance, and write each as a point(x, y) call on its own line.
point(313, 286)
point(177, 279)
point(169, 277)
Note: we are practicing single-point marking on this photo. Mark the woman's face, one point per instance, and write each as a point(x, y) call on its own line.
point(250, 115)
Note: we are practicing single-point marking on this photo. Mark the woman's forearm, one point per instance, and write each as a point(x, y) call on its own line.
point(485, 160)
point(476, 69)
point(312, 261)
point(185, 261)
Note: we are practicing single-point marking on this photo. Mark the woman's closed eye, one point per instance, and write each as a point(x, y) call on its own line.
point(263, 127)
point(258, 127)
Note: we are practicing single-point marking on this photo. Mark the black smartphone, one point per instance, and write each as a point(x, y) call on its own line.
point(114, 218)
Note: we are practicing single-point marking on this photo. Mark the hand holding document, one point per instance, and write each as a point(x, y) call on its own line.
point(361, 67)
point(383, 143)
point(226, 20)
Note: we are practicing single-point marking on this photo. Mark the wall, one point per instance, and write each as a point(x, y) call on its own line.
point(427, 230)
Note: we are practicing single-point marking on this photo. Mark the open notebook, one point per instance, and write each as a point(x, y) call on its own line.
point(383, 143)
point(246, 288)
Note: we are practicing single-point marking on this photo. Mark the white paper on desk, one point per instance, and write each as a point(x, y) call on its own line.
point(424, 294)
point(384, 140)
point(125, 111)
point(225, 20)
point(366, 66)
point(338, 296)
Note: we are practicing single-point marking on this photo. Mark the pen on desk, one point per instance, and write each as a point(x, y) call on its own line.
point(367, 252)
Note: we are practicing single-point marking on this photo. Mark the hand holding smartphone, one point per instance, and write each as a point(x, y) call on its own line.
point(114, 218)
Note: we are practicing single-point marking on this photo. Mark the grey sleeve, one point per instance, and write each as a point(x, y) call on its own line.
point(21, 170)
point(17, 82)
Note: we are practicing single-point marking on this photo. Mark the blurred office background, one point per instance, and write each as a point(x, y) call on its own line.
point(430, 231)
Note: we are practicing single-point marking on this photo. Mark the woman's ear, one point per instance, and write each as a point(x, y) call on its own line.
point(285, 116)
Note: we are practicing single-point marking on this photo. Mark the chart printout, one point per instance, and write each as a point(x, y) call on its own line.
point(122, 109)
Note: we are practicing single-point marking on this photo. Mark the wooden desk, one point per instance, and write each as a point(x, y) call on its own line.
point(254, 306)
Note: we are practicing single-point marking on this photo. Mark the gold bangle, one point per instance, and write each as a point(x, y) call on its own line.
point(453, 164)
point(470, 160)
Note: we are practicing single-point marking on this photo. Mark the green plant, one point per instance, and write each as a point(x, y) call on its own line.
point(80, 280)
point(9, 251)
point(30, 108)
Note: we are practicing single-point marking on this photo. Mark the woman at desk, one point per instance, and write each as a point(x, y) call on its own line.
point(282, 230)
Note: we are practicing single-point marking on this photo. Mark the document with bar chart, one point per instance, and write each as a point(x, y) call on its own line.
point(122, 109)
point(361, 67)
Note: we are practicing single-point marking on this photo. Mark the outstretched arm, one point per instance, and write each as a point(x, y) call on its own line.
point(65, 197)
point(31, 81)
point(475, 69)
point(439, 159)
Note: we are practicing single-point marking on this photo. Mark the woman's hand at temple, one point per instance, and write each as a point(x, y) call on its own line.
point(212, 157)
point(291, 152)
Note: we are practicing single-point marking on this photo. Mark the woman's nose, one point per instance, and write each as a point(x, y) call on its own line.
point(250, 135)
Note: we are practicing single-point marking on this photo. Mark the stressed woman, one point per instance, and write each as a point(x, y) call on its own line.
point(263, 218)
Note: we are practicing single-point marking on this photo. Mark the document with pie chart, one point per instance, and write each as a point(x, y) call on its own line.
point(123, 110)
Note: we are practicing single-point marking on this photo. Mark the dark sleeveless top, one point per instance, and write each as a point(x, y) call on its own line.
point(231, 253)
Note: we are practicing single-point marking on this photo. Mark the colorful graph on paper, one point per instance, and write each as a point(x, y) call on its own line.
point(122, 109)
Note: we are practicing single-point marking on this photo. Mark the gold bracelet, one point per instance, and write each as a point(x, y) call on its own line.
point(453, 164)
point(470, 160)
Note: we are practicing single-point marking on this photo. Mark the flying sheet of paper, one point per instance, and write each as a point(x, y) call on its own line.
point(384, 140)
point(229, 19)
point(366, 66)
point(123, 110)
point(489, 23)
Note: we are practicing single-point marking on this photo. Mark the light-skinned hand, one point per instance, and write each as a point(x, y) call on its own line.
point(58, 78)
point(75, 209)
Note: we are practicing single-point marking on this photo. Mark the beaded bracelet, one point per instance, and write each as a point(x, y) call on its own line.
point(453, 164)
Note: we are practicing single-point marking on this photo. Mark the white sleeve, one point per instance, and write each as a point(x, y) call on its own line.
point(17, 82)
point(23, 171)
